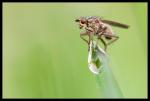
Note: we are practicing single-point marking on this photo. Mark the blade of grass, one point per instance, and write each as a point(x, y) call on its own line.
point(99, 65)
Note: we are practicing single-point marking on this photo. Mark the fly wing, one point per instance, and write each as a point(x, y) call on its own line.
point(117, 24)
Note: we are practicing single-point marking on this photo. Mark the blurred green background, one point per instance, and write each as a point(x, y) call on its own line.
point(44, 57)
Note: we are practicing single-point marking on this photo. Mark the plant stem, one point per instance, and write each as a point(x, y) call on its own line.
point(108, 86)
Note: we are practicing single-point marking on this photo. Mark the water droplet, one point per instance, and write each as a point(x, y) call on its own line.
point(94, 60)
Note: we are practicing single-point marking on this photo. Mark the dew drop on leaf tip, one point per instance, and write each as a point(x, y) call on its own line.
point(94, 59)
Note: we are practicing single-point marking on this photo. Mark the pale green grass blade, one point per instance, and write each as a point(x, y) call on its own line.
point(104, 76)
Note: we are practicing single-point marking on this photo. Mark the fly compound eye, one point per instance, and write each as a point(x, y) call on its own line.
point(82, 22)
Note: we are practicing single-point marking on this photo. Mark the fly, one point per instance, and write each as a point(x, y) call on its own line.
point(95, 26)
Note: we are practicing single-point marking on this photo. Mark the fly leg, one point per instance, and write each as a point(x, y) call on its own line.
point(90, 32)
point(88, 42)
point(100, 37)
point(83, 34)
point(105, 44)
point(113, 40)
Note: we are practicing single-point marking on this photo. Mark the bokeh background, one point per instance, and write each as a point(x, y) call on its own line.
point(44, 57)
